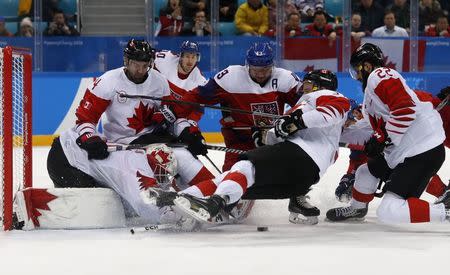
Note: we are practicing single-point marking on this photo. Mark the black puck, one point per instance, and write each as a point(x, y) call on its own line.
point(262, 228)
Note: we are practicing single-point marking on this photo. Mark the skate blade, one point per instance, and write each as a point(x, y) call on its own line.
point(300, 219)
point(183, 207)
point(349, 220)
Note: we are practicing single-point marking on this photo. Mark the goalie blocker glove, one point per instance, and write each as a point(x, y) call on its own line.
point(95, 146)
point(194, 139)
point(290, 124)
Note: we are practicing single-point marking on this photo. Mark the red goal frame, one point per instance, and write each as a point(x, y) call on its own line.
point(8, 124)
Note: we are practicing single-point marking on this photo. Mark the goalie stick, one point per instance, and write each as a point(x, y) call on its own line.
point(224, 109)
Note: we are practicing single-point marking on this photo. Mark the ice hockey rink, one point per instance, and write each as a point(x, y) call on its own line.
point(326, 248)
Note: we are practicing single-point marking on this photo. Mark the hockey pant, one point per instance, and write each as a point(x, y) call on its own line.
point(277, 171)
point(404, 186)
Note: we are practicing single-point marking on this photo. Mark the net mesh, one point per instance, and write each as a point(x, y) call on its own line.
point(18, 131)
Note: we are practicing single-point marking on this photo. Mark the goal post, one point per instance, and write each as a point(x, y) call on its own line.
point(15, 127)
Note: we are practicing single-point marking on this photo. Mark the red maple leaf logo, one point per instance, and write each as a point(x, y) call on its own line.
point(142, 117)
point(309, 68)
point(146, 182)
point(389, 64)
point(37, 199)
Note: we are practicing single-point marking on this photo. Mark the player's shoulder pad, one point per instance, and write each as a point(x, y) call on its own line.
point(103, 86)
point(381, 74)
point(286, 79)
point(231, 75)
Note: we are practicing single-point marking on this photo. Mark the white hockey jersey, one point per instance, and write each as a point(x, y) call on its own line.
point(324, 114)
point(167, 64)
point(412, 125)
point(123, 119)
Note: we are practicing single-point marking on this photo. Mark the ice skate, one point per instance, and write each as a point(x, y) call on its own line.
point(445, 199)
point(348, 213)
point(302, 212)
point(209, 210)
point(158, 196)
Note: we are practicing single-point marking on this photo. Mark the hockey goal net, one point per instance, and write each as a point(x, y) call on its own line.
point(15, 128)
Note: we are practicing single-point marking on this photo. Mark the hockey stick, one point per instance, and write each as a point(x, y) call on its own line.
point(213, 164)
point(224, 109)
point(154, 227)
point(113, 147)
point(444, 102)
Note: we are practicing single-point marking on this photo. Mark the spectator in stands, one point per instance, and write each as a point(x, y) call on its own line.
point(48, 9)
point(292, 27)
point(26, 28)
point(389, 29)
point(402, 15)
point(25, 8)
point(201, 27)
point(3, 30)
point(170, 19)
point(319, 27)
point(357, 30)
point(227, 10)
point(191, 6)
point(440, 29)
point(307, 8)
point(59, 27)
point(289, 8)
point(429, 10)
point(372, 14)
point(252, 18)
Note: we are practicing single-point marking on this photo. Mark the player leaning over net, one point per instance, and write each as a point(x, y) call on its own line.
point(80, 156)
point(258, 86)
point(300, 148)
point(405, 150)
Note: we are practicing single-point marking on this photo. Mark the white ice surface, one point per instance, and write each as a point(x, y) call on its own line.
point(327, 248)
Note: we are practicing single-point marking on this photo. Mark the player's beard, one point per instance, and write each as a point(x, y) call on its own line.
point(185, 69)
point(134, 79)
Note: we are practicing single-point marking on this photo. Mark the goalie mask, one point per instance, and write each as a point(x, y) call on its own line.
point(163, 163)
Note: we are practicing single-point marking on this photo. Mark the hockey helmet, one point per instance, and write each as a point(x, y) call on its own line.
point(139, 50)
point(190, 47)
point(163, 163)
point(367, 52)
point(321, 79)
point(260, 54)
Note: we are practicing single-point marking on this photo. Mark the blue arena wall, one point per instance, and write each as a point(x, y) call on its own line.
point(54, 93)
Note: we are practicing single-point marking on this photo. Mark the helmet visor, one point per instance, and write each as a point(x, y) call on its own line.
point(355, 71)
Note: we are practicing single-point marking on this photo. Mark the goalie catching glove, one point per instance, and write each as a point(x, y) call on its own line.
point(94, 145)
point(289, 124)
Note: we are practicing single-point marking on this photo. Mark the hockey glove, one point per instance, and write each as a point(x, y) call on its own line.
point(194, 139)
point(376, 144)
point(163, 114)
point(258, 136)
point(94, 145)
point(344, 190)
point(290, 124)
